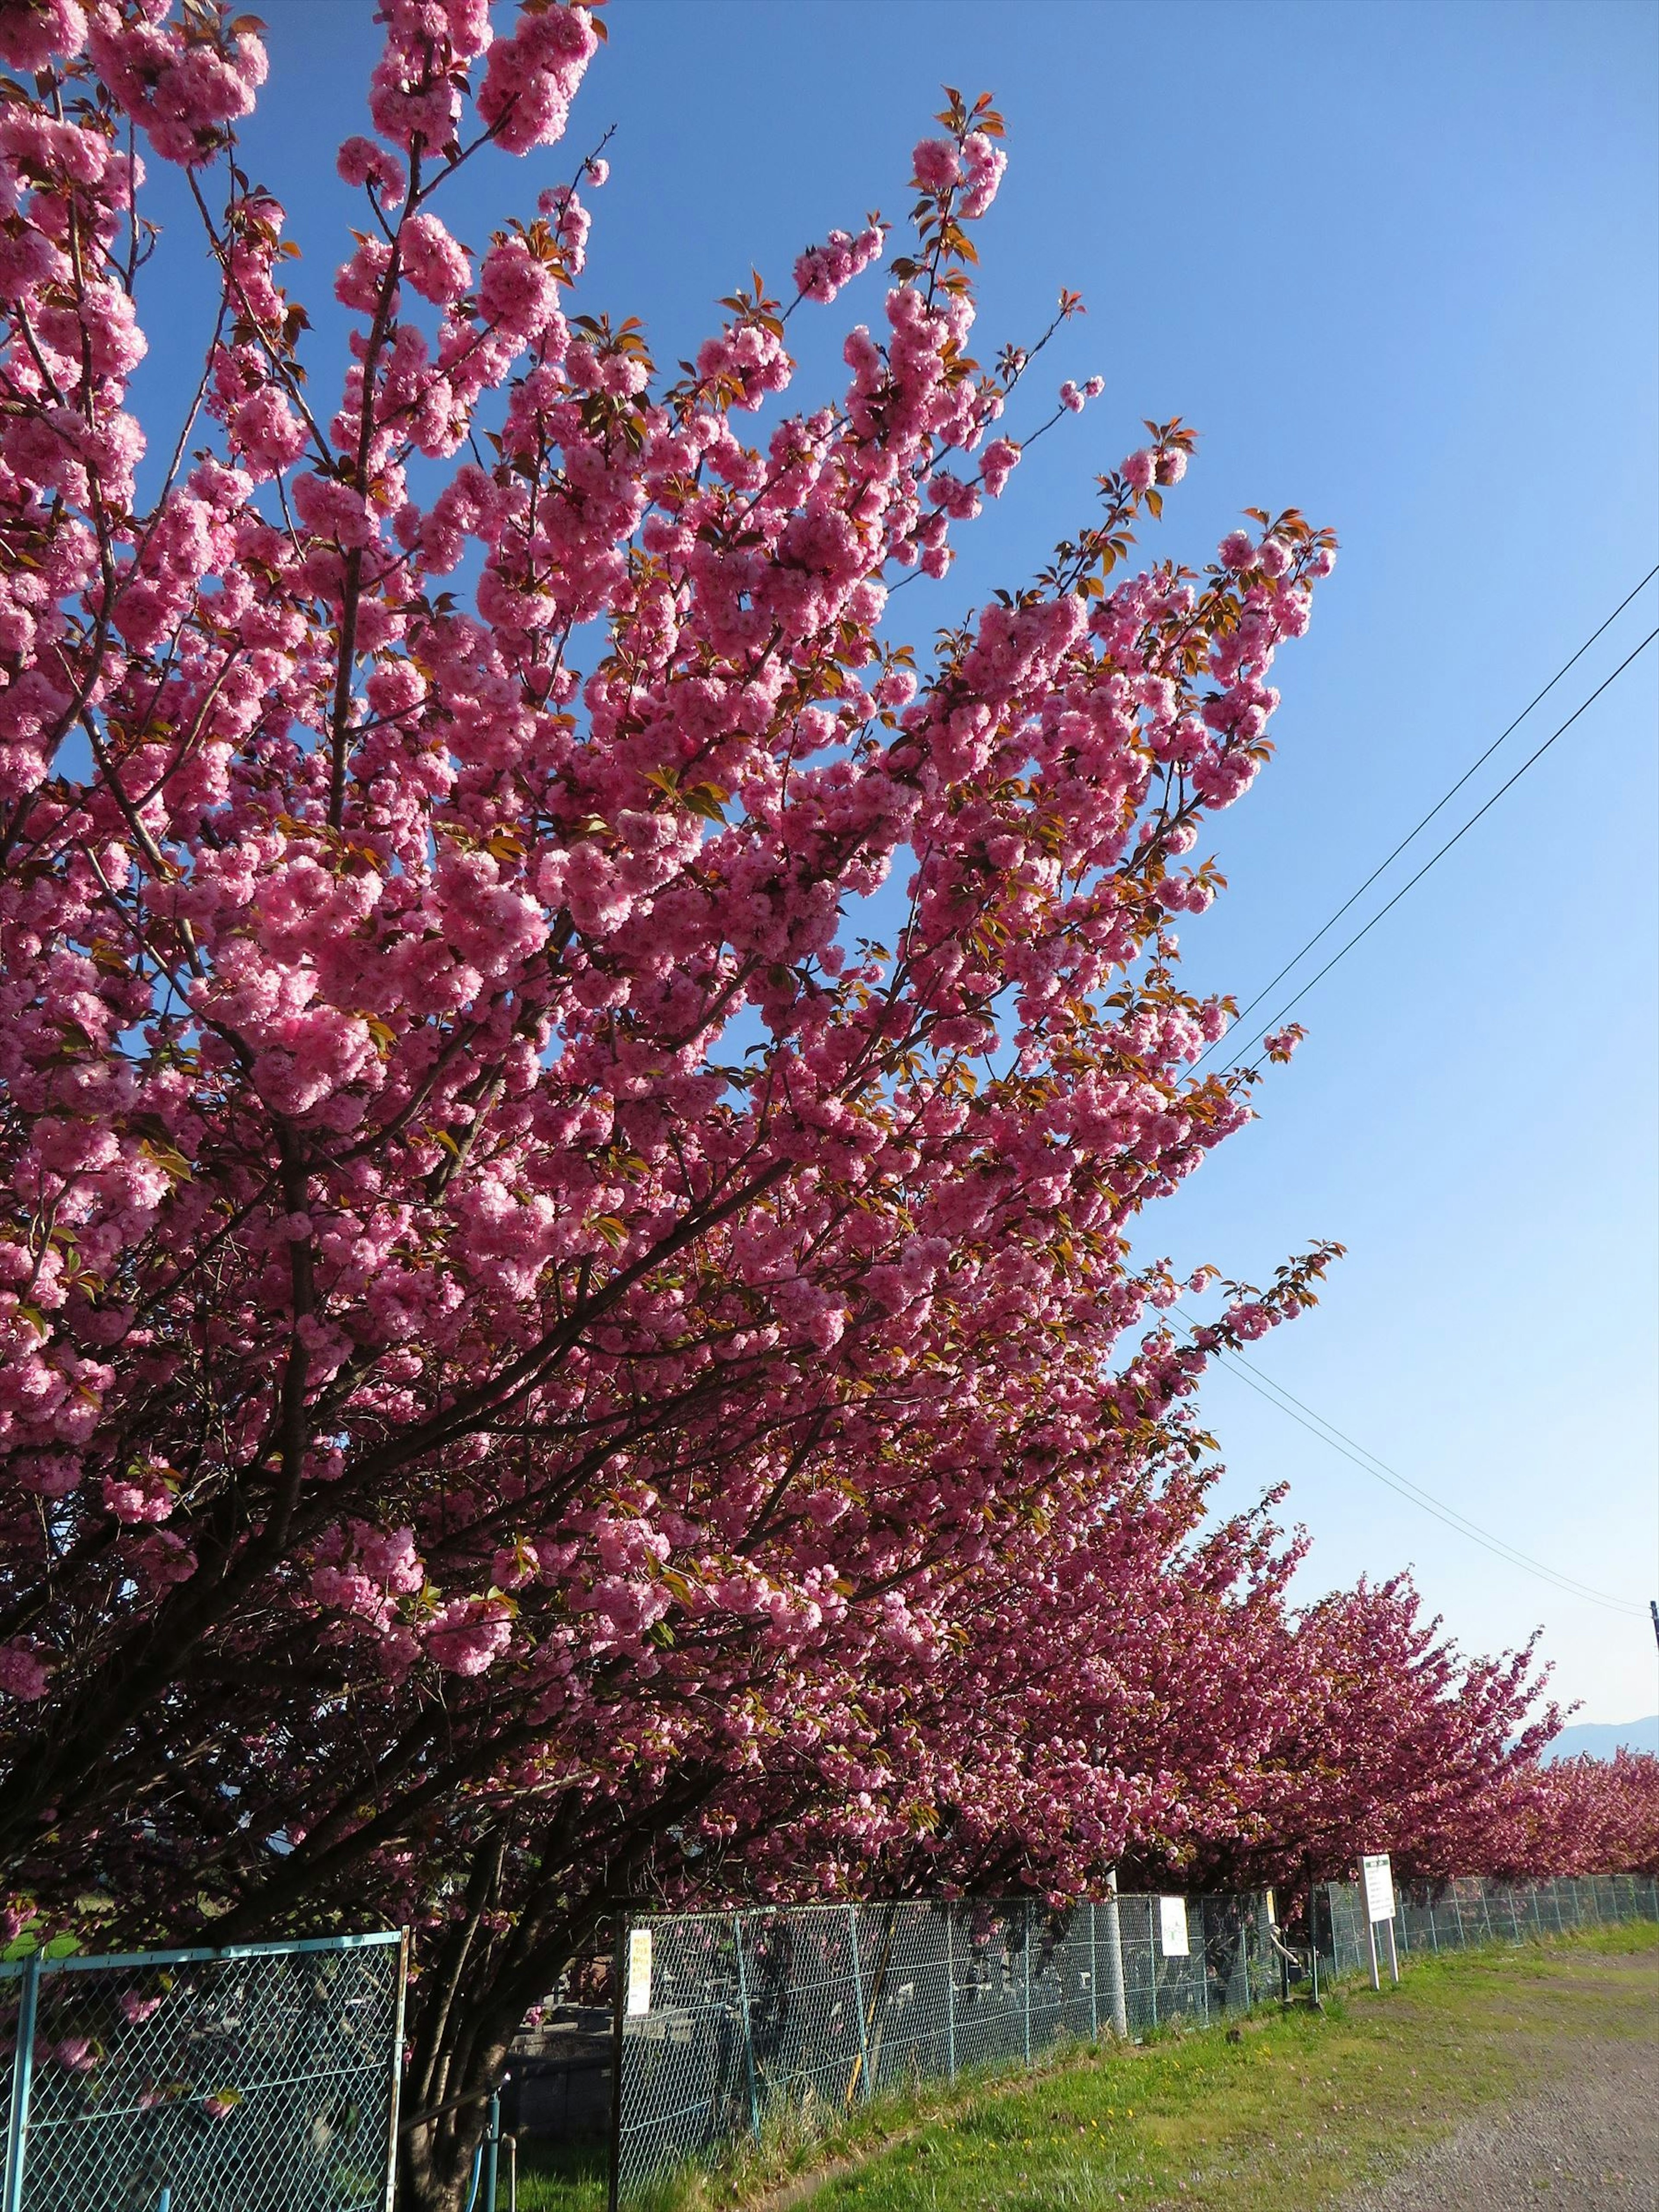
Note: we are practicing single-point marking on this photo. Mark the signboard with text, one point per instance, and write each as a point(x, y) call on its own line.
point(639, 1971)
point(1379, 1886)
point(1172, 1927)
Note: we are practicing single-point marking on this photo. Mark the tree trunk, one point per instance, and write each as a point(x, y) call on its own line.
point(479, 1979)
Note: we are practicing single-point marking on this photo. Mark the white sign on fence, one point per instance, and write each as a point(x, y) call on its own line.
point(639, 1971)
point(1379, 1886)
point(1172, 1927)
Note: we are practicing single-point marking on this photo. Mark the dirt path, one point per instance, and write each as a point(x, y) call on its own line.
point(1587, 2138)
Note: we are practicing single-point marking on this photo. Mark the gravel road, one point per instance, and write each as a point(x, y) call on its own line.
point(1587, 2141)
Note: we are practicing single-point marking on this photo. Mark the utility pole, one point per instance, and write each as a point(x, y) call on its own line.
point(1653, 1607)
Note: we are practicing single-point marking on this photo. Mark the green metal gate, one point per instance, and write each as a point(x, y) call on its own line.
point(259, 2078)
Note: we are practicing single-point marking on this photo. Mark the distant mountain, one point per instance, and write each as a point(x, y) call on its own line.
point(1602, 1738)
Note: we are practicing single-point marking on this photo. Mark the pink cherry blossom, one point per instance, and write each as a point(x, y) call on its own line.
point(935, 165)
point(982, 167)
point(24, 1674)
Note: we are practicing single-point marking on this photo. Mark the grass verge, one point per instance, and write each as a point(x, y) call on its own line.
point(1287, 2109)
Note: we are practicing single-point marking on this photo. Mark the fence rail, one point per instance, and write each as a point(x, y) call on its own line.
point(262, 2077)
point(732, 2018)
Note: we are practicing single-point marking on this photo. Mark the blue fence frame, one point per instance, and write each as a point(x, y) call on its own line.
point(262, 2075)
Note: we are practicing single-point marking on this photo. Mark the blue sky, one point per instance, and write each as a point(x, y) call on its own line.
point(1397, 264)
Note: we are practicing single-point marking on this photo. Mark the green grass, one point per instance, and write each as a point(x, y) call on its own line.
point(558, 2178)
point(1300, 2108)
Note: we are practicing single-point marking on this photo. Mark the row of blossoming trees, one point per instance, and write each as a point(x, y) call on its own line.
point(541, 1364)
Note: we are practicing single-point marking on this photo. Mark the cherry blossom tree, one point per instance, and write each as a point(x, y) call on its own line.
point(1382, 1736)
point(1579, 1816)
point(542, 1357)
point(543, 1360)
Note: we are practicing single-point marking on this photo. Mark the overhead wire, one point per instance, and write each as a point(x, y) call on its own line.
point(1411, 882)
point(1367, 1462)
point(1446, 797)
point(1275, 1394)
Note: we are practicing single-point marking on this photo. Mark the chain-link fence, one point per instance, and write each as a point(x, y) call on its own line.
point(735, 2018)
point(1454, 1916)
point(813, 2007)
point(257, 2078)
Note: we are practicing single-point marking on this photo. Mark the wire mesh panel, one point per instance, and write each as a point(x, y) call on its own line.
point(1414, 1929)
point(256, 2080)
point(907, 1961)
point(1136, 1918)
point(1342, 1936)
point(1060, 1949)
point(809, 2009)
point(809, 2004)
point(685, 2062)
point(1228, 1933)
point(991, 1961)
point(1180, 1988)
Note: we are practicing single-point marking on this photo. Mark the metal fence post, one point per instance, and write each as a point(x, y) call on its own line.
point(618, 1970)
point(1283, 1962)
point(950, 1988)
point(1394, 1949)
point(492, 2152)
point(1094, 1976)
point(1313, 1934)
point(397, 2073)
point(748, 2026)
point(858, 1999)
point(1026, 1924)
point(22, 2073)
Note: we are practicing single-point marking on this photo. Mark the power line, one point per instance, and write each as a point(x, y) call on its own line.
point(1446, 797)
point(1367, 1462)
point(1412, 881)
point(1227, 1035)
point(1419, 1496)
point(1286, 1400)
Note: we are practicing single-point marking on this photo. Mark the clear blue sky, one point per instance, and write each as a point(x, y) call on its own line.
point(1398, 263)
